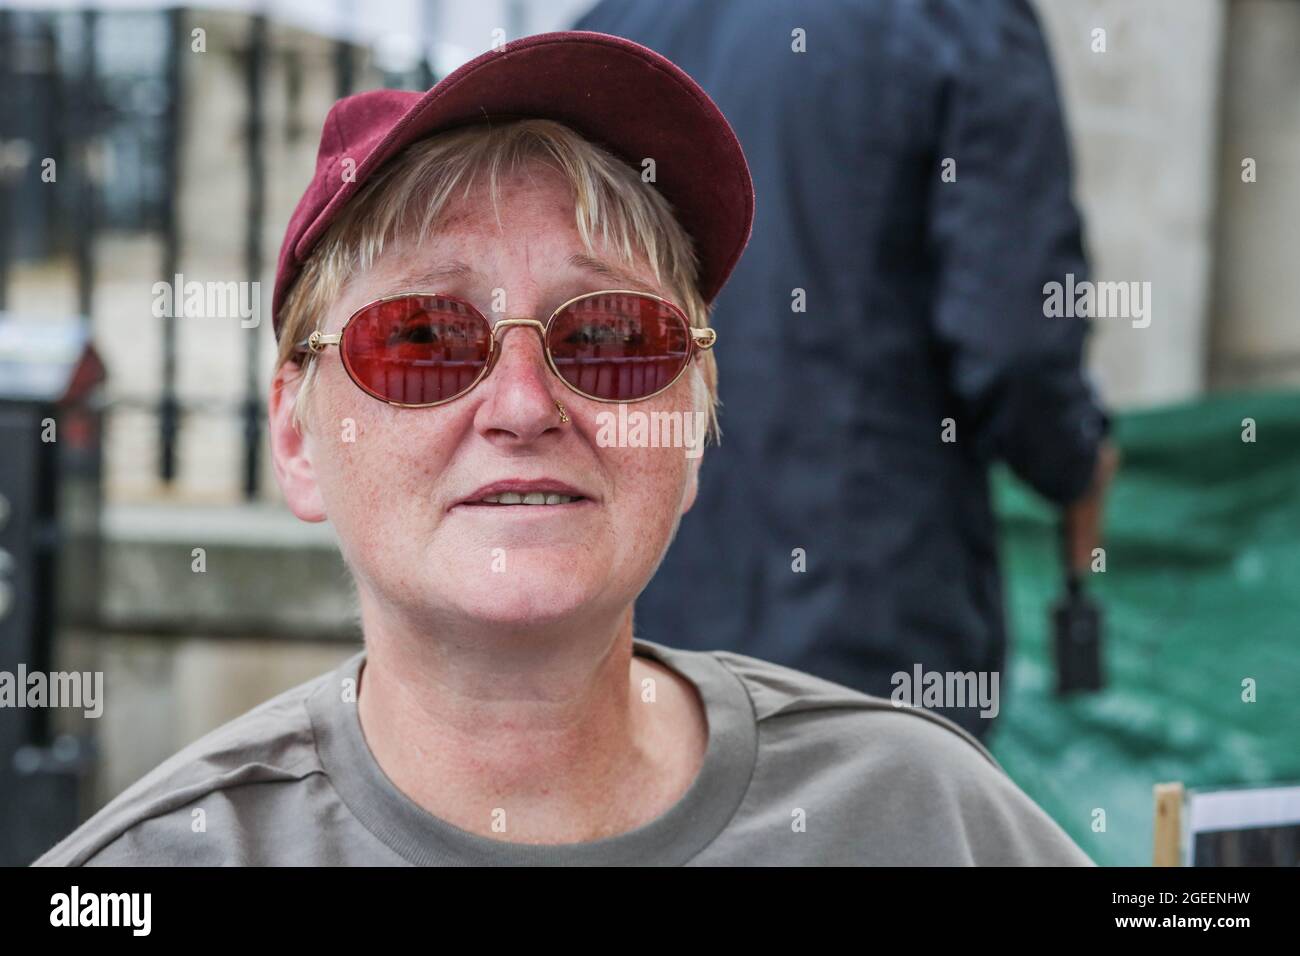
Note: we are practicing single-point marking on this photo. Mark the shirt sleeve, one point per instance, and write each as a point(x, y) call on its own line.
point(1003, 229)
point(1006, 828)
point(958, 788)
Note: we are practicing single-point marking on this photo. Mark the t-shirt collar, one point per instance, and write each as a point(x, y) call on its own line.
point(672, 838)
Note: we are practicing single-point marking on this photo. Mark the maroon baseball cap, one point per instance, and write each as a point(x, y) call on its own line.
point(616, 93)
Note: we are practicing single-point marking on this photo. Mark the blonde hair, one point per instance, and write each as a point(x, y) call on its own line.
point(410, 192)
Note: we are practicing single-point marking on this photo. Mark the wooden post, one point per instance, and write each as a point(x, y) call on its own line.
point(1168, 825)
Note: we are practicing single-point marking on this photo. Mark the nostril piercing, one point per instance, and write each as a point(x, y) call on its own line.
point(564, 416)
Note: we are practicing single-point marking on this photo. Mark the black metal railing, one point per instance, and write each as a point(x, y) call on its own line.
point(78, 114)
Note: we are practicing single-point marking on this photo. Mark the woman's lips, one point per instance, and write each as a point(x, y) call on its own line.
point(531, 499)
point(522, 495)
point(524, 512)
point(534, 500)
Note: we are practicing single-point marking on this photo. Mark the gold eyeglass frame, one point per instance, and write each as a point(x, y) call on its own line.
point(701, 340)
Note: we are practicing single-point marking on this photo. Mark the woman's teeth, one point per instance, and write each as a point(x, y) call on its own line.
point(532, 498)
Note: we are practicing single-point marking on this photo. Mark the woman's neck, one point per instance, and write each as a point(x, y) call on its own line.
point(552, 736)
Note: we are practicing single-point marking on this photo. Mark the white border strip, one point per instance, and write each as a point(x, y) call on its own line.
point(1239, 809)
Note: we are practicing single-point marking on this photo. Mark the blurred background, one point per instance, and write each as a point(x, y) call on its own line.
point(175, 159)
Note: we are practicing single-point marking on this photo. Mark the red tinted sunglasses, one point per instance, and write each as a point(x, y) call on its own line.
point(418, 349)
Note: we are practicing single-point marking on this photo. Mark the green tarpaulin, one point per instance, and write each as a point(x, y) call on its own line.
point(1201, 592)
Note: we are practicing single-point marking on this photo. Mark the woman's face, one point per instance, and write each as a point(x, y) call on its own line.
point(398, 483)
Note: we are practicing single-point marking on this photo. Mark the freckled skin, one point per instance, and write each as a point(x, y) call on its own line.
point(519, 686)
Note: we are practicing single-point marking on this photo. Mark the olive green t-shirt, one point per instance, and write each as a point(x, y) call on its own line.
point(797, 771)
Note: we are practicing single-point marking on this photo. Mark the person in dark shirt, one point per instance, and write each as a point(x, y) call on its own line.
point(886, 333)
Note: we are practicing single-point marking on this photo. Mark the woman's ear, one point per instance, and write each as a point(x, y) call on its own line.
point(692, 479)
point(699, 439)
point(290, 451)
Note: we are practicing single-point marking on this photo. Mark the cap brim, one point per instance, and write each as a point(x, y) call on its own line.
point(616, 93)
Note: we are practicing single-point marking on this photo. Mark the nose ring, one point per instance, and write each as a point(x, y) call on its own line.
point(564, 416)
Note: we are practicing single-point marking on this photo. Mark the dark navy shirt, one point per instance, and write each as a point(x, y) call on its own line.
point(924, 302)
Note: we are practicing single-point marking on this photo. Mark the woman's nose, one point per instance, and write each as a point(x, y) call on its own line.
point(520, 343)
point(519, 404)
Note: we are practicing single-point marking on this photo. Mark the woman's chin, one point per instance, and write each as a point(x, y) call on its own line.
point(525, 597)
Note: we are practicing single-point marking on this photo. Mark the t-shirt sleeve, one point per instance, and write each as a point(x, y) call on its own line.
point(999, 823)
point(177, 837)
